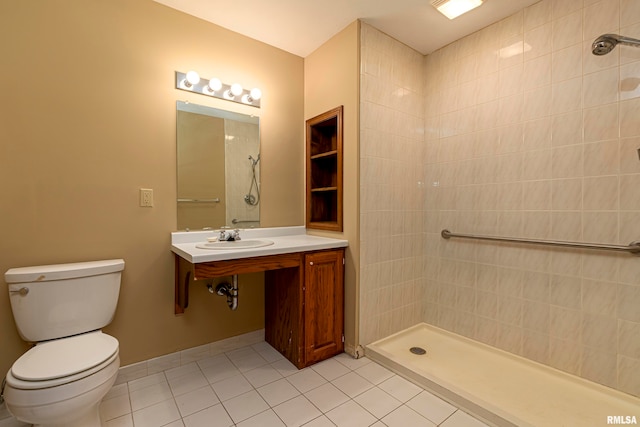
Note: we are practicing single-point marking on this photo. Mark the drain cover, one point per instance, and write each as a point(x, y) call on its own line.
point(418, 350)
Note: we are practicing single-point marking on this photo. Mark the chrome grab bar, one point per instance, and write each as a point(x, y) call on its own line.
point(215, 200)
point(237, 221)
point(632, 248)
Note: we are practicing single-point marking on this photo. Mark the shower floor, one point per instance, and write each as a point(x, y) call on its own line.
point(499, 387)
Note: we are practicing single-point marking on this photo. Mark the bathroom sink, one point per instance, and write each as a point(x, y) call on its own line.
point(236, 244)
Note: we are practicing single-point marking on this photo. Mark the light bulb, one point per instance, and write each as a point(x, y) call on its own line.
point(236, 89)
point(192, 78)
point(214, 85)
point(256, 94)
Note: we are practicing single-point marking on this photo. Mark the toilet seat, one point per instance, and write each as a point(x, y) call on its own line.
point(64, 360)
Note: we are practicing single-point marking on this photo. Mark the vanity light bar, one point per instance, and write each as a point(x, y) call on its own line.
point(191, 82)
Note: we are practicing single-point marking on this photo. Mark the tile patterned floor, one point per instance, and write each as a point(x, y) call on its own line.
point(256, 387)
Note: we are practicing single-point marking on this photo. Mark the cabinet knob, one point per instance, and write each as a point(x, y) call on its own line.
point(310, 262)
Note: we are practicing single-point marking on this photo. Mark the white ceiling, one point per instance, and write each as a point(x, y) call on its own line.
point(301, 26)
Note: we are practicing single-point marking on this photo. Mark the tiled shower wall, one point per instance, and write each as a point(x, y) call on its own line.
point(391, 193)
point(527, 134)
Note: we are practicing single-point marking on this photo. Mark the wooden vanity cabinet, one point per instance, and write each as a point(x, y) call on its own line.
point(304, 308)
point(304, 299)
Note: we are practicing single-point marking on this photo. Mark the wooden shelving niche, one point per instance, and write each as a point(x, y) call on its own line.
point(324, 171)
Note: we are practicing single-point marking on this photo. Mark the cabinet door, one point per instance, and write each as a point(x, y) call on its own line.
point(323, 305)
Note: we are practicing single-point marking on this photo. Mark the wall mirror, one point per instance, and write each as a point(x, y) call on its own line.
point(218, 168)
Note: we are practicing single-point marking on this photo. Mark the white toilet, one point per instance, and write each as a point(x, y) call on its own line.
point(62, 379)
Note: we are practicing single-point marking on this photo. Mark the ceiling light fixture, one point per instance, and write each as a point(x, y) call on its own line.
point(454, 8)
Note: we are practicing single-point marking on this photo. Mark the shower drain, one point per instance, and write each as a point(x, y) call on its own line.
point(418, 350)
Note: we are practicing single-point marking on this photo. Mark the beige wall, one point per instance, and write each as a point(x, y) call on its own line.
point(88, 118)
point(331, 79)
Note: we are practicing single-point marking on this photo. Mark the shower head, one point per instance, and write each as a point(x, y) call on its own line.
point(606, 42)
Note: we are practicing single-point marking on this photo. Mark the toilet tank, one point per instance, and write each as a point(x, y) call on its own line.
point(54, 301)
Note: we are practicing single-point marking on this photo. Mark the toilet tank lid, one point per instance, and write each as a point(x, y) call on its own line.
point(43, 273)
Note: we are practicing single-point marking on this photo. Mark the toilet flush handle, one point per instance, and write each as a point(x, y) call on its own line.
point(22, 291)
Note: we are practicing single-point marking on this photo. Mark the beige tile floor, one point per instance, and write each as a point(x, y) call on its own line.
point(256, 387)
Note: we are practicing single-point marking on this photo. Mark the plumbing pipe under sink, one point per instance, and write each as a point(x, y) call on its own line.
point(228, 289)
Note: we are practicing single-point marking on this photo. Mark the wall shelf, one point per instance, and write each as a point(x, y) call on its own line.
point(323, 155)
point(313, 190)
point(324, 171)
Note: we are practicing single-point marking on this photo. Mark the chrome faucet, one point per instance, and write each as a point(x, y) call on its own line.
point(229, 235)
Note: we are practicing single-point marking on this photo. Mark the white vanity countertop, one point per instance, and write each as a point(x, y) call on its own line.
point(285, 240)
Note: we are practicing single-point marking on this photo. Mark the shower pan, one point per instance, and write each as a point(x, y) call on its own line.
point(606, 42)
point(498, 387)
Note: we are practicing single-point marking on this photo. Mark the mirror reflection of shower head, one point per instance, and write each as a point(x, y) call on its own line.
point(254, 161)
point(606, 42)
point(249, 198)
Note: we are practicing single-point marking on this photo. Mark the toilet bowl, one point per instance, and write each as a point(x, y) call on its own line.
point(62, 379)
point(61, 382)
